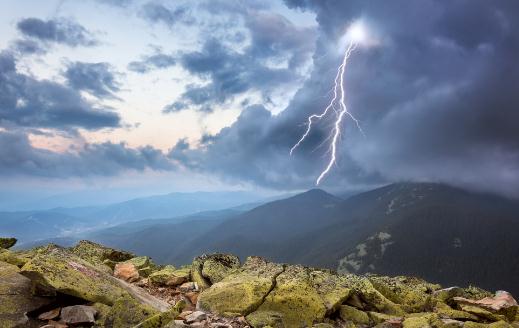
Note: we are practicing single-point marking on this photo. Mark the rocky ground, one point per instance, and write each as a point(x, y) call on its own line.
point(90, 285)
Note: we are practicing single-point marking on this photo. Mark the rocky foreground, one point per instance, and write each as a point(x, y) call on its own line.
point(90, 285)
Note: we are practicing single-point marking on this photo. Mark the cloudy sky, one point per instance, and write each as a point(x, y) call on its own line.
point(190, 95)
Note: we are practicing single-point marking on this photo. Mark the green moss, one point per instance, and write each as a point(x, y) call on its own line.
point(377, 317)
point(218, 266)
point(60, 270)
point(365, 289)
point(127, 312)
point(349, 313)
point(209, 269)
point(144, 265)
point(97, 254)
point(422, 320)
point(266, 319)
point(480, 312)
point(295, 298)
point(162, 319)
point(15, 297)
point(11, 258)
point(413, 294)
point(102, 313)
point(242, 291)
point(446, 311)
point(332, 288)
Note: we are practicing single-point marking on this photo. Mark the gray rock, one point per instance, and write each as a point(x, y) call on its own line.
point(196, 317)
point(16, 297)
point(78, 314)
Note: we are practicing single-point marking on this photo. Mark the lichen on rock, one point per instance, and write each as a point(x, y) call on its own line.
point(65, 272)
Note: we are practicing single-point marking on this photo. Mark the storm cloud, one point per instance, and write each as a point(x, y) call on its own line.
point(60, 31)
point(272, 60)
point(96, 78)
point(437, 99)
point(29, 102)
point(19, 157)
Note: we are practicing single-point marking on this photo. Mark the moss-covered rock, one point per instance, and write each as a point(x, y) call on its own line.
point(445, 311)
point(218, 266)
point(349, 313)
point(12, 258)
point(127, 312)
point(162, 319)
point(378, 317)
point(422, 320)
point(373, 297)
point(295, 298)
point(170, 276)
point(242, 291)
point(7, 242)
point(65, 272)
point(413, 294)
point(210, 269)
point(144, 265)
point(263, 319)
point(332, 288)
point(480, 312)
point(99, 255)
point(16, 297)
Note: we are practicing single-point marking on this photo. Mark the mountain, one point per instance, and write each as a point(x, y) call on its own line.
point(438, 232)
point(38, 226)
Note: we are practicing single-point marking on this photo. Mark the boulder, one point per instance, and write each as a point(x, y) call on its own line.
point(196, 316)
point(349, 313)
point(170, 276)
point(16, 297)
point(126, 271)
point(243, 291)
point(127, 312)
point(78, 314)
point(7, 242)
point(333, 289)
point(12, 258)
point(294, 298)
point(62, 271)
point(99, 255)
point(210, 269)
point(412, 294)
point(502, 303)
point(144, 265)
point(445, 311)
point(161, 320)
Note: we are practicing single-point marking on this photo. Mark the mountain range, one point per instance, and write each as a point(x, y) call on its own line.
point(441, 233)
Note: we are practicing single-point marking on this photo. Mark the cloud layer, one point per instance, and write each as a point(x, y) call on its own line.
point(436, 98)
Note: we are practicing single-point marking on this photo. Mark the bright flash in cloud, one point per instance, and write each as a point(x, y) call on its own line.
point(355, 35)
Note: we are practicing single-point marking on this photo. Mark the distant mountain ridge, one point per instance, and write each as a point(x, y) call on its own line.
point(441, 233)
point(29, 226)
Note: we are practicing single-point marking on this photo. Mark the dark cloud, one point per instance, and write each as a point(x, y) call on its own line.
point(158, 13)
point(437, 100)
point(96, 78)
point(56, 31)
point(277, 51)
point(28, 47)
point(19, 157)
point(28, 102)
point(152, 62)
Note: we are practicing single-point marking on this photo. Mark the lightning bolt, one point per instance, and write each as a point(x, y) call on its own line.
point(337, 100)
